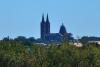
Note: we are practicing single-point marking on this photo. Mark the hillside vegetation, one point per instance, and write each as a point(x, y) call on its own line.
point(18, 54)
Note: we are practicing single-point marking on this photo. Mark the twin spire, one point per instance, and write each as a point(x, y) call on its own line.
point(45, 27)
point(47, 19)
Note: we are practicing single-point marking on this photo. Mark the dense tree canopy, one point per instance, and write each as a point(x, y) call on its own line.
point(16, 54)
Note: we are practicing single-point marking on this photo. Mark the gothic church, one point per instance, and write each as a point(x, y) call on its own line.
point(47, 36)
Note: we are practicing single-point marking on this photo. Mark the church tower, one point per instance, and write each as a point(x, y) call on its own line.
point(62, 30)
point(47, 25)
point(43, 28)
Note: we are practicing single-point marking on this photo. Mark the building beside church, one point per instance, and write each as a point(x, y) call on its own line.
point(48, 37)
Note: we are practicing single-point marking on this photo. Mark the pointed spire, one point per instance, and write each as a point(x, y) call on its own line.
point(47, 18)
point(42, 17)
point(47, 25)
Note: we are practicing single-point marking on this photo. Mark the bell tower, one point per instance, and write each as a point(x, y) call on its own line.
point(47, 25)
point(43, 28)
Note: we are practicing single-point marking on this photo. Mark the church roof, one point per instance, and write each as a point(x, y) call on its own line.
point(62, 30)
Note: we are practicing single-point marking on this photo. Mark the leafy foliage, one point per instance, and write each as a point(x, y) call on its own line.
point(17, 54)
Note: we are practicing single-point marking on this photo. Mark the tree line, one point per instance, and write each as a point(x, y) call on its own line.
point(17, 53)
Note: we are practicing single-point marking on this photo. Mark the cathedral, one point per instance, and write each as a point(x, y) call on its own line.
point(48, 37)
